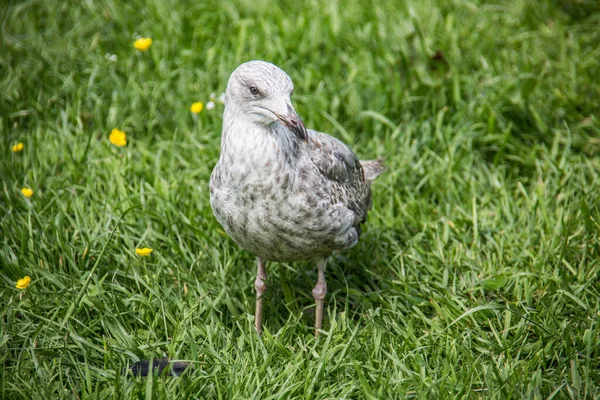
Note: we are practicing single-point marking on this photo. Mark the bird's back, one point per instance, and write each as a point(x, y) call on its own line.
point(347, 178)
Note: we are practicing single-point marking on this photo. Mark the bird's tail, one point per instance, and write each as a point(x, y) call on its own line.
point(373, 168)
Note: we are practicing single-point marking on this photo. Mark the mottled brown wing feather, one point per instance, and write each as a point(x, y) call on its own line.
point(340, 167)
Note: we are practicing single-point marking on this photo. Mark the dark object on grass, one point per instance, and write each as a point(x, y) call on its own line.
point(141, 368)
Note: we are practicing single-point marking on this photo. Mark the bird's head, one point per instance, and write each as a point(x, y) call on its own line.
point(262, 91)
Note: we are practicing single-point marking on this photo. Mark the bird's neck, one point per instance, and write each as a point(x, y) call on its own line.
point(257, 146)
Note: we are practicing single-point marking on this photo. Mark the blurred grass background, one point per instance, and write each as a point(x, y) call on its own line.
point(477, 273)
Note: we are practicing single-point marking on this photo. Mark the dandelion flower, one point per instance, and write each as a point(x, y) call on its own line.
point(210, 105)
point(27, 192)
point(118, 138)
point(142, 44)
point(197, 107)
point(18, 147)
point(144, 252)
point(23, 283)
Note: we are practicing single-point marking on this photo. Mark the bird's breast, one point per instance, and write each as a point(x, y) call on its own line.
point(272, 220)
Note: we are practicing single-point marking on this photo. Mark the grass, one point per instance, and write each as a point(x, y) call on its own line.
point(476, 275)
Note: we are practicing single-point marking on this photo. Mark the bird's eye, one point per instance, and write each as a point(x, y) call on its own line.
point(253, 90)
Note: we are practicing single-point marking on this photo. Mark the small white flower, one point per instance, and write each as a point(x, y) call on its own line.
point(212, 96)
point(111, 57)
point(210, 105)
point(221, 98)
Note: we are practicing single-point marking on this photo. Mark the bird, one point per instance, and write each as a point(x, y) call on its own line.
point(281, 191)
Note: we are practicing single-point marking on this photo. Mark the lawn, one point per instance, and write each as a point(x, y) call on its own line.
point(477, 274)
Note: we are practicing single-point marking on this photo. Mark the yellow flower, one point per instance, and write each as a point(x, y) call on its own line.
point(143, 44)
point(143, 251)
point(23, 283)
point(197, 107)
point(18, 147)
point(118, 138)
point(27, 192)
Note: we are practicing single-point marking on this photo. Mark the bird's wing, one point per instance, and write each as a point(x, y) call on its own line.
point(342, 173)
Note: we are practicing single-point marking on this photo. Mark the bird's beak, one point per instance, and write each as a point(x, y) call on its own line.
point(294, 123)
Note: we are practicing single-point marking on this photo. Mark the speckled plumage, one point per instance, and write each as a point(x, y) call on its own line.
point(281, 192)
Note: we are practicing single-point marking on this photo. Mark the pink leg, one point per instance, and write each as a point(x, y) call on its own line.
point(261, 288)
point(319, 292)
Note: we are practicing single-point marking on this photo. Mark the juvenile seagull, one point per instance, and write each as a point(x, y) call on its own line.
point(282, 192)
